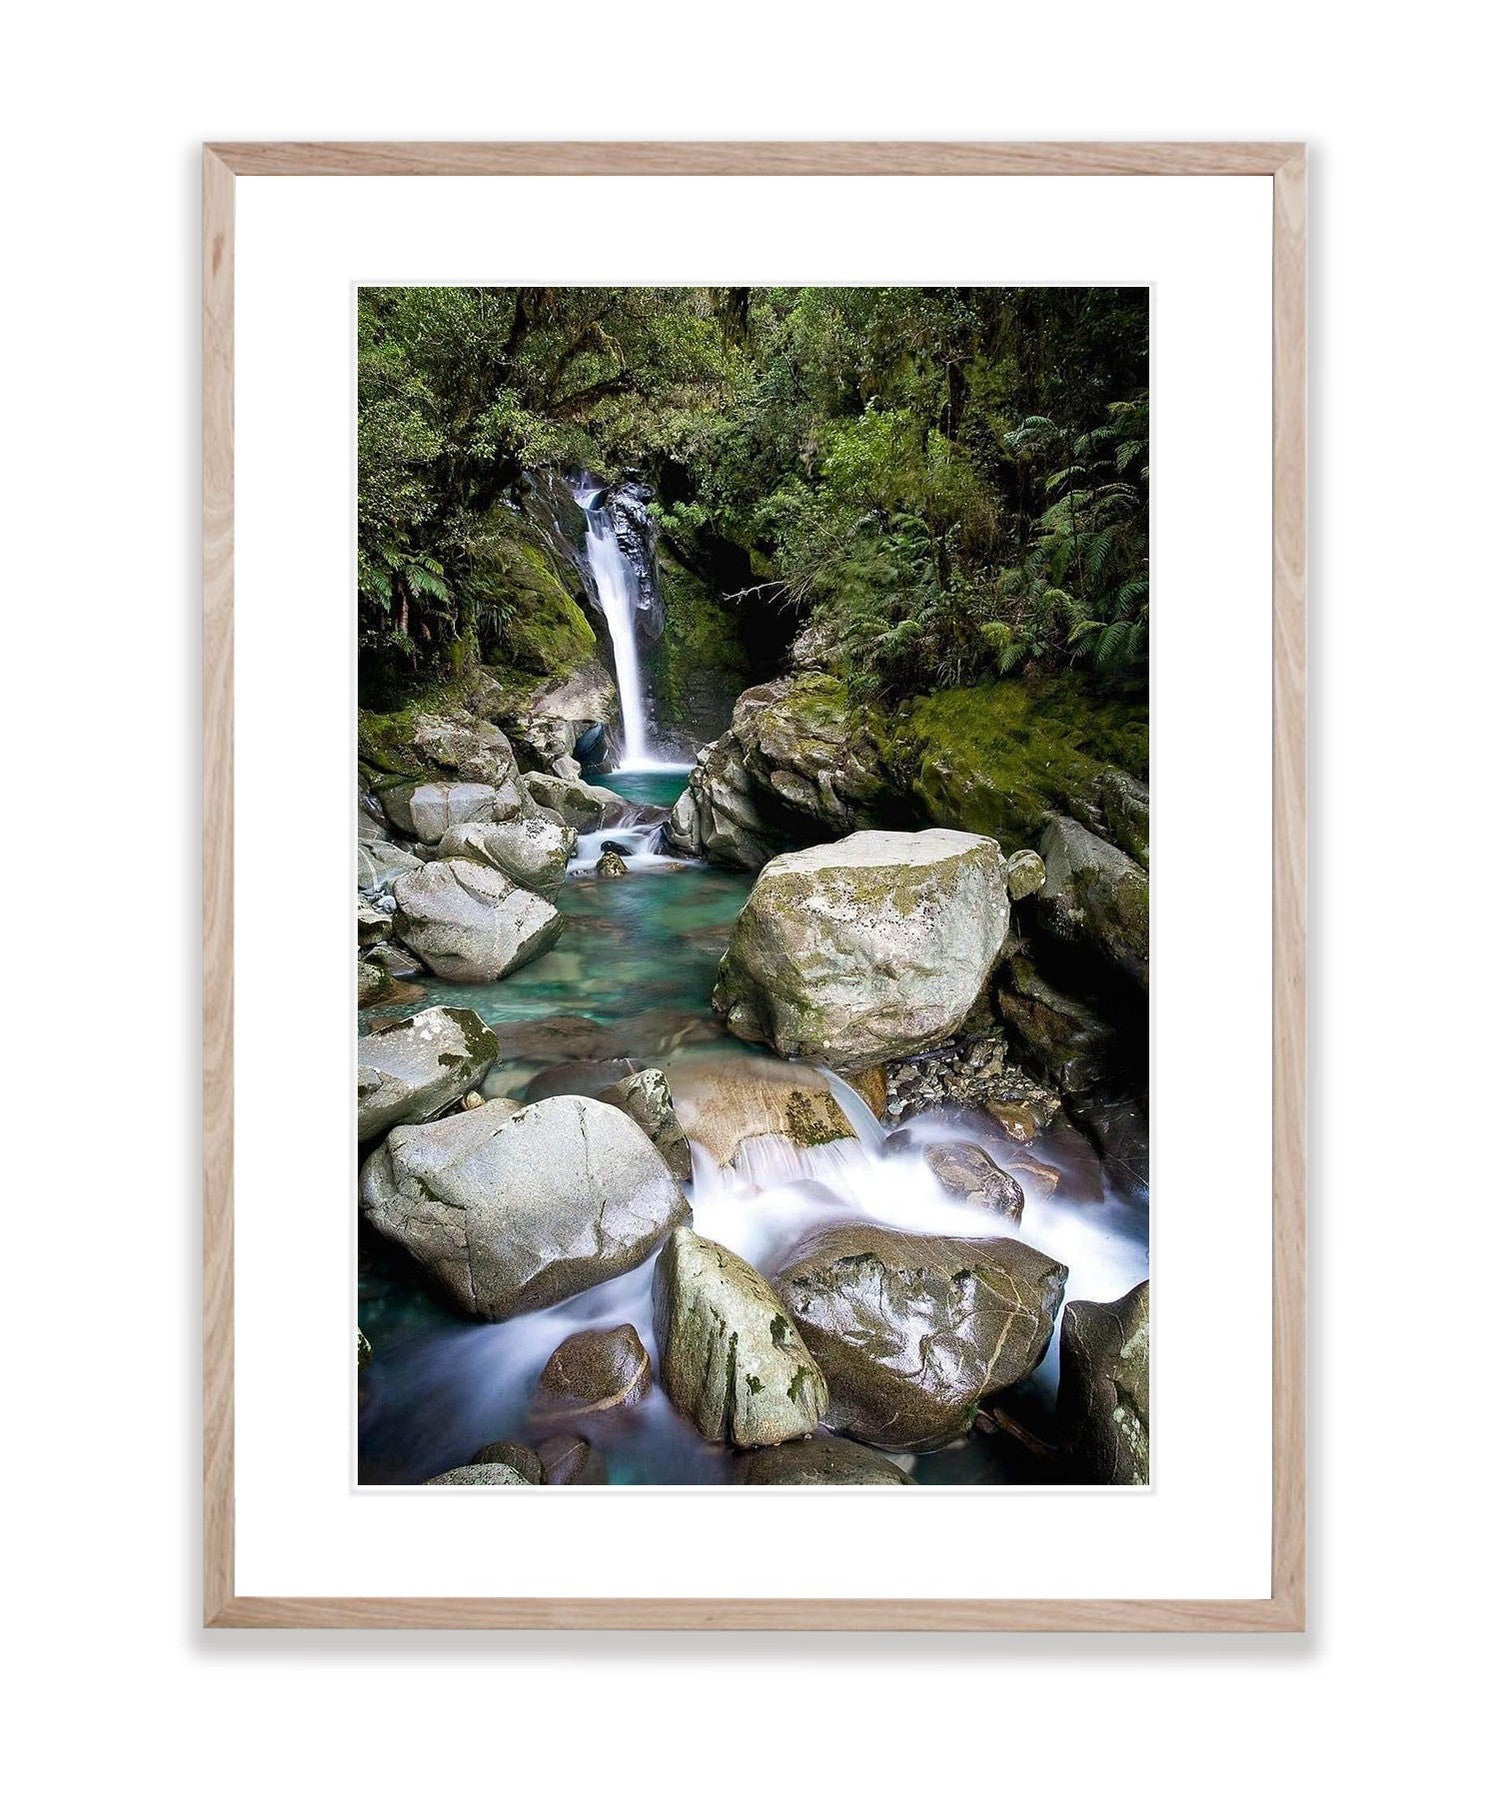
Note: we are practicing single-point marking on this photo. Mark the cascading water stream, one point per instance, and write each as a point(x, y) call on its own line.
point(619, 598)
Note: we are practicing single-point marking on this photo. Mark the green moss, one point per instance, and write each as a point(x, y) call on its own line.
point(544, 630)
point(813, 1123)
point(996, 758)
point(699, 665)
point(385, 737)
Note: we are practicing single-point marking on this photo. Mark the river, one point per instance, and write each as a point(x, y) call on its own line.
point(631, 977)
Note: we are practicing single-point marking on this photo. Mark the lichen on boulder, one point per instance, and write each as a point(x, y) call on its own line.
point(876, 946)
point(1095, 895)
point(730, 1358)
point(418, 1066)
point(1103, 1398)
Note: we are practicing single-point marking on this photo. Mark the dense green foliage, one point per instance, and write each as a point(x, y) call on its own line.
point(950, 483)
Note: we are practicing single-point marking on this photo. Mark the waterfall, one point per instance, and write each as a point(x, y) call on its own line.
point(619, 598)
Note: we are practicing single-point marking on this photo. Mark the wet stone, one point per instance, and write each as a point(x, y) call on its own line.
point(569, 1461)
point(969, 1172)
point(525, 1462)
point(819, 1462)
point(594, 1371)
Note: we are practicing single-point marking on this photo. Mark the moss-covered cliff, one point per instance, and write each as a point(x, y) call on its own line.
point(700, 664)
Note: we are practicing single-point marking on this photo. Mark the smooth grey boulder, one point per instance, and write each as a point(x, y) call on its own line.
point(419, 1066)
point(594, 1371)
point(426, 809)
point(558, 719)
point(480, 1474)
point(473, 749)
point(532, 852)
point(730, 1358)
point(468, 922)
point(1095, 895)
point(381, 864)
point(819, 1462)
point(968, 1171)
point(911, 1332)
point(580, 804)
point(398, 963)
point(646, 1097)
point(1103, 1396)
point(876, 946)
point(510, 1211)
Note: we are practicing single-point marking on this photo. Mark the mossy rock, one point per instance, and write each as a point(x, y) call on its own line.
point(699, 665)
point(997, 758)
point(547, 633)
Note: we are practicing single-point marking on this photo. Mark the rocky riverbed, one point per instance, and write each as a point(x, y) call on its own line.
point(680, 1170)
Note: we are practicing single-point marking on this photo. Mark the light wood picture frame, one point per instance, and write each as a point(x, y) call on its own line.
point(1285, 163)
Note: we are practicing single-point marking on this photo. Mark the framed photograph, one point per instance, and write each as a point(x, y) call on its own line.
point(754, 954)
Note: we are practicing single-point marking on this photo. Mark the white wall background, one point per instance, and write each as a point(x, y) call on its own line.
point(105, 109)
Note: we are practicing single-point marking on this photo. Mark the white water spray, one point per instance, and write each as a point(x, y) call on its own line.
point(619, 596)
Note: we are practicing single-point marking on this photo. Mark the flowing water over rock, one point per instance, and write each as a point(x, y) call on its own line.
point(629, 983)
point(618, 583)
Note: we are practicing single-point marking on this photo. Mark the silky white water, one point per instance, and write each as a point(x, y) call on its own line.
point(619, 598)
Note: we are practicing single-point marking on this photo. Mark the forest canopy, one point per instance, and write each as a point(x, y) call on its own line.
point(949, 484)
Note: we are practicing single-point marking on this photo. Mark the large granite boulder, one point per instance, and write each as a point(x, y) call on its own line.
point(451, 745)
point(646, 1096)
point(1095, 895)
point(802, 742)
point(562, 717)
point(579, 804)
point(718, 816)
point(793, 767)
point(819, 1462)
point(468, 922)
point(430, 808)
point(510, 1211)
point(1103, 1398)
point(594, 1371)
point(532, 852)
point(912, 1332)
point(381, 864)
point(419, 1066)
point(877, 946)
point(730, 1358)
